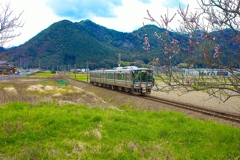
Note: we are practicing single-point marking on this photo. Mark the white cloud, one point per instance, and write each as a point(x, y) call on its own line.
point(36, 17)
point(129, 16)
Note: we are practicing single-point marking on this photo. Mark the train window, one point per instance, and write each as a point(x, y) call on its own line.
point(110, 75)
point(98, 75)
point(136, 75)
point(143, 76)
point(120, 76)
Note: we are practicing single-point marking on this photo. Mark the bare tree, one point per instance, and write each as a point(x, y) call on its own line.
point(209, 42)
point(8, 24)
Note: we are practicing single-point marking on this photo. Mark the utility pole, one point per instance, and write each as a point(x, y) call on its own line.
point(119, 59)
point(20, 63)
point(75, 71)
point(87, 70)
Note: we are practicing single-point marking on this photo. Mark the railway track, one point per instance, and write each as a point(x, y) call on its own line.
point(191, 107)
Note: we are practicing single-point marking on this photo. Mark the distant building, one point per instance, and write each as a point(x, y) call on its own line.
point(3, 62)
point(78, 70)
point(6, 68)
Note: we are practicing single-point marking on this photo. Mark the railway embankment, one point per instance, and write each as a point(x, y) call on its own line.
point(196, 98)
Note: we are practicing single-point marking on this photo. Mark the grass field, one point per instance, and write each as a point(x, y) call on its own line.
point(47, 130)
point(79, 76)
point(41, 74)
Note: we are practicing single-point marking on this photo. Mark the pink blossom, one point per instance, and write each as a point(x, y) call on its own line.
point(214, 20)
point(228, 1)
point(190, 41)
point(192, 19)
point(188, 81)
point(166, 32)
point(183, 14)
point(146, 42)
point(146, 39)
point(174, 41)
point(158, 37)
point(216, 48)
point(205, 53)
point(166, 20)
point(150, 17)
point(206, 36)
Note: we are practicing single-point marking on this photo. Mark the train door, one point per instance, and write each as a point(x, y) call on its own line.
point(125, 78)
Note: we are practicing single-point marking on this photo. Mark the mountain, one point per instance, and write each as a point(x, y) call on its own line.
point(65, 43)
point(2, 49)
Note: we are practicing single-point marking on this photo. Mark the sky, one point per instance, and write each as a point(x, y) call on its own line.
point(120, 15)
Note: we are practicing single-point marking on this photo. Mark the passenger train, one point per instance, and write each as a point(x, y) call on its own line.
point(130, 79)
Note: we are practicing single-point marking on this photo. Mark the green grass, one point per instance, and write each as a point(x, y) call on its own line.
point(50, 131)
point(41, 74)
point(79, 76)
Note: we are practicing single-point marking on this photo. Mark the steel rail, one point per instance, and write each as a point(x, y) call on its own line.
point(195, 108)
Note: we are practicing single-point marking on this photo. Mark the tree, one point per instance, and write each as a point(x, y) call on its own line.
point(209, 45)
point(8, 24)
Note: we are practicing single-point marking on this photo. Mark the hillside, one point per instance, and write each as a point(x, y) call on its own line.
point(65, 43)
point(62, 43)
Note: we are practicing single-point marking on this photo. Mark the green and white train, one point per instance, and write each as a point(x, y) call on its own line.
point(130, 79)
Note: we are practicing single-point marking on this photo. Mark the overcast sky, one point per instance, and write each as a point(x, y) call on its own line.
point(120, 15)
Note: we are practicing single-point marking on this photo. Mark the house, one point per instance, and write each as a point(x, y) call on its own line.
point(6, 68)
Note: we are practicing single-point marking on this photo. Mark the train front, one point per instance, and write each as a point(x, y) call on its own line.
point(143, 81)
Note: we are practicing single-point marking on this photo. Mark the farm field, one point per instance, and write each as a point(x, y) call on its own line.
point(45, 119)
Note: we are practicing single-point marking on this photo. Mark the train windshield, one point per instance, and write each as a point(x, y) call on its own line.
point(143, 76)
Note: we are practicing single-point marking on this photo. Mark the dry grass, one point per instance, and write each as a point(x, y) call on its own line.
point(46, 91)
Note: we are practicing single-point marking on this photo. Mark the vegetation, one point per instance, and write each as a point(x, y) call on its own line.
point(79, 76)
point(35, 124)
point(41, 74)
point(100, 46)
point(208, 39)
point(50, 131)
point(10, 22)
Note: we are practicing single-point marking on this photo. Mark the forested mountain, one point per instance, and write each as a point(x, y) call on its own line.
point(65, 43)
point(68, 43)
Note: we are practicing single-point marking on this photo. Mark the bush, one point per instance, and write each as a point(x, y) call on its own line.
point(53, 72)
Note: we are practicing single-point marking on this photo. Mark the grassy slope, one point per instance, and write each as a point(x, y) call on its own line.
point(51, 131)
point(76, 131)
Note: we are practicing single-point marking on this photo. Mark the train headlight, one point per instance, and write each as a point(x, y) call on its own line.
point(137, 85)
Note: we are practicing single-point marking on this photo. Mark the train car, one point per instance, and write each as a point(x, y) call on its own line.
point(132, 79)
